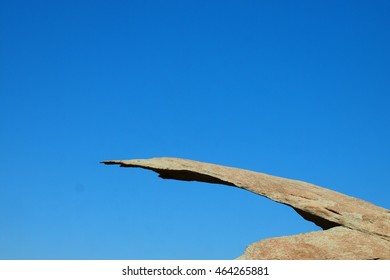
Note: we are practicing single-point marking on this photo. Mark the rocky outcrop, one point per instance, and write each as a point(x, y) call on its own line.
point(352, 228)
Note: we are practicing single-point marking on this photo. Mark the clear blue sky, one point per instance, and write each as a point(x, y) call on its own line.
point(298, 89)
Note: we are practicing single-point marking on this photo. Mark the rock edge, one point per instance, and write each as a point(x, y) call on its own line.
point(353, 228)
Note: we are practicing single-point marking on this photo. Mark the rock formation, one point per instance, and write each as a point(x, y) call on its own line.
point(352, 228)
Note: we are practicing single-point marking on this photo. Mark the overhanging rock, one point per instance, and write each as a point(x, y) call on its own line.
point(353, 228)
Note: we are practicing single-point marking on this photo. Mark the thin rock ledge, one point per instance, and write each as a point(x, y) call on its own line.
point(352, 228)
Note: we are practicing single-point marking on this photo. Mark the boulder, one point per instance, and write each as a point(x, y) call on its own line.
point(352, 228)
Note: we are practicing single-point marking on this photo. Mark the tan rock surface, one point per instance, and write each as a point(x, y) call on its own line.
point(353, 228)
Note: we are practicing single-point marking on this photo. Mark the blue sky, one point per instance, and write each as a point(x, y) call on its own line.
point(298, 89)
